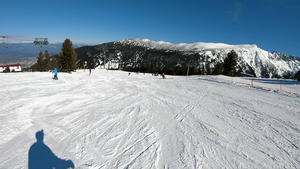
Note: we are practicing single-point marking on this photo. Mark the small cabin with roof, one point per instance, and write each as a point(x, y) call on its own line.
point(12, 68)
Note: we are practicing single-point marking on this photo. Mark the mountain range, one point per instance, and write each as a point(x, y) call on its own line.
point(141, 54)
point(148, 56)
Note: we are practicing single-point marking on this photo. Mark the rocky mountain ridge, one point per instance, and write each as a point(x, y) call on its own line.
point(136, 54)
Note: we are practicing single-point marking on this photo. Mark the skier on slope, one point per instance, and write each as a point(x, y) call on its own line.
point(163, 75)
point(55, 74)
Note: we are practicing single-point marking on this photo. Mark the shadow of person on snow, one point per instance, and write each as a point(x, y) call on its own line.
point(40, 156)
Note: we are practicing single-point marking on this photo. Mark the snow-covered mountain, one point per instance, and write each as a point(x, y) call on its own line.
point(250, 56)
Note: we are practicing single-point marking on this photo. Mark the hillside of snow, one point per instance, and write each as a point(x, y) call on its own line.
point(250, 56)
point(182, 46)
point(112, 120)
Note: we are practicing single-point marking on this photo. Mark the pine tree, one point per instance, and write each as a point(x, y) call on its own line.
point(230, 64)
point(39, 64)
point(68, 59)
point(54, 61)
point(208, 69)
point(47, 61)
point(266, 72)
point(201, 70)
point(218, 69)
point(298, 76)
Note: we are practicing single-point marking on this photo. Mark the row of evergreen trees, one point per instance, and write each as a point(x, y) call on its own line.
point(45, 62)
point(228, 67)
point(65, 61)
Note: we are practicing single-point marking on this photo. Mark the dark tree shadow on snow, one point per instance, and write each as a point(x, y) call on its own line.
point(275, 81)
point(40, 156)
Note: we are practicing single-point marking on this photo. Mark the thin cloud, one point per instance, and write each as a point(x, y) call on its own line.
point(237, 12)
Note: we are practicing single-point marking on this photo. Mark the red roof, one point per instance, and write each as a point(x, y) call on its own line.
point(15, 65)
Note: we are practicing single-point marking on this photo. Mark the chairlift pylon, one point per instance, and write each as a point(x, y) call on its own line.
point(41, 42)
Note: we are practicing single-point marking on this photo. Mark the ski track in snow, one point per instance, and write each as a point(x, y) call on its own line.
point(111, 120)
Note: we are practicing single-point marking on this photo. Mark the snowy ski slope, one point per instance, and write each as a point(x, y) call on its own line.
point(111, 120)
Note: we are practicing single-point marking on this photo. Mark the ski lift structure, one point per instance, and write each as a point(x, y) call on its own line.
point(41, 42)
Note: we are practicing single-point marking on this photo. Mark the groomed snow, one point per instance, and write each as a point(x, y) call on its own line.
point(111, 120)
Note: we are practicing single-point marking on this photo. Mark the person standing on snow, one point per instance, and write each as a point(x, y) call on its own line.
point(163, 75)
point(55, 74)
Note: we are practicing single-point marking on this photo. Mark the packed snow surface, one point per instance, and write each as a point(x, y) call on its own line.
point(111, 120)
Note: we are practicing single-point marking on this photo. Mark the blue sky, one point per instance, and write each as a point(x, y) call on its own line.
point(270, 24)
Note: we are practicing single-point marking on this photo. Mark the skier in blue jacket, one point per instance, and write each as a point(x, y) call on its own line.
point(55, 74)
